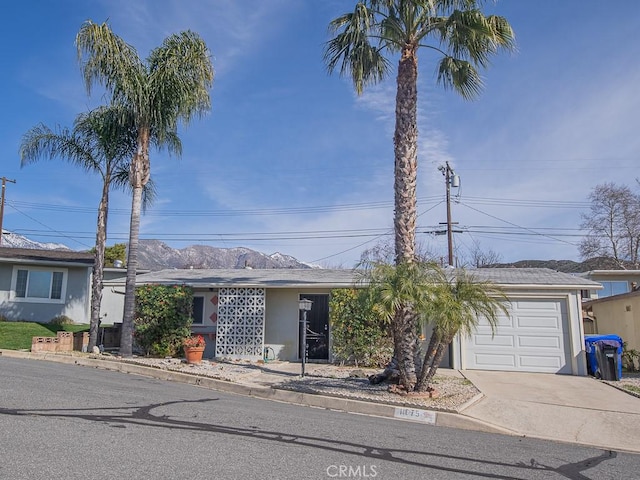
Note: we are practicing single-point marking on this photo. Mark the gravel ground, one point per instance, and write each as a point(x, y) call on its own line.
point(454, 392)
point(452, 389)
point(629, 383)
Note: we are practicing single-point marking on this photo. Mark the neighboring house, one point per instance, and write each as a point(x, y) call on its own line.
point(112, 304)
point(242, 312)
point(614, 282)
point(618, 314)
point(38, 285)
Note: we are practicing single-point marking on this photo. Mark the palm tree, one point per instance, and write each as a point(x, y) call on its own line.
point(172, 85)
point(97, 144)
point(452, 302)
point(457, 303)
point(404, 288)
point(361, 47)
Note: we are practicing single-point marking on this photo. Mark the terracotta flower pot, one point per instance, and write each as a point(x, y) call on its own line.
point(193, 354)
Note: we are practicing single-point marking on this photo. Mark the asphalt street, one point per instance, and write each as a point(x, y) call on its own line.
point(71, 422)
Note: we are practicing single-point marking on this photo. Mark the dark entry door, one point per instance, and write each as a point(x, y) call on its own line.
point(317, 328)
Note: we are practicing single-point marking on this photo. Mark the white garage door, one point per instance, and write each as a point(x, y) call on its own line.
point(533, 338)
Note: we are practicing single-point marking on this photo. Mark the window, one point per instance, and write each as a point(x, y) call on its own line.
point(198, 310)
point(39, 284)
point(613, 288)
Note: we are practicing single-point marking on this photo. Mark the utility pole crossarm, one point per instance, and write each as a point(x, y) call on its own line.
point(4, 186)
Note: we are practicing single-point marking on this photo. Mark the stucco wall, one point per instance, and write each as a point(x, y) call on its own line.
point(621, 317)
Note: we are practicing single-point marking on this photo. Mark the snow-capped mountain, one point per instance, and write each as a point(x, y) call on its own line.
point(10, 239)
point(157, 255)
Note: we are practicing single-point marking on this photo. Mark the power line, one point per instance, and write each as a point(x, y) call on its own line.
point(518, 226)
point(507, 202)
point(49, 228)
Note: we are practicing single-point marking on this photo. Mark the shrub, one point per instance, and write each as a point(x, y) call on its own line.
point(163, 318)
point(61, 320)
point(360, 336)
point(630, 358)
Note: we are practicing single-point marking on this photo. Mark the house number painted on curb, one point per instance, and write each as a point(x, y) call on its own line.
point(415, 415)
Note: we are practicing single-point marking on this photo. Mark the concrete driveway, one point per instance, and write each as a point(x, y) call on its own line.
point(558, 407)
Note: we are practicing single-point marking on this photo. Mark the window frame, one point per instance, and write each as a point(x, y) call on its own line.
point(51, 271)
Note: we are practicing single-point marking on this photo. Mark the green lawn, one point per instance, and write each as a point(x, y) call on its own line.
point(17, 335)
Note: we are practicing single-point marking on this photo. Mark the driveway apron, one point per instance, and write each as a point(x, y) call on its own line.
point(558, 407)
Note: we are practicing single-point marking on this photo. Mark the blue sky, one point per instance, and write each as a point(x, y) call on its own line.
point(290, 160)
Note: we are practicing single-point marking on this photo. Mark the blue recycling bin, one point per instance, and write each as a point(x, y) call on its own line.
point(604, 356)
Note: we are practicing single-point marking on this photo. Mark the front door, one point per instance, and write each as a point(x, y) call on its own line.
point(317, 328)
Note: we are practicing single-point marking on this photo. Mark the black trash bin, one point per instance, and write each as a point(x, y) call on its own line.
point(604, 356)
point(607, 364)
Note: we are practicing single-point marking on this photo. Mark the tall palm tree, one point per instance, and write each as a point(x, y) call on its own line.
point(457, 303)
point(98, 143)
point(172, 85)
point(363, 44)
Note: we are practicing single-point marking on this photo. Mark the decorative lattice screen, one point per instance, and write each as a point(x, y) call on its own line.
point(240, 331)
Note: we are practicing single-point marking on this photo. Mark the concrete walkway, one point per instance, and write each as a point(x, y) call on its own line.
point(554, 407)
point(558, 407)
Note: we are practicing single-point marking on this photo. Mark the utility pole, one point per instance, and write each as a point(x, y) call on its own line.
point(4, 185)
point(451, 180)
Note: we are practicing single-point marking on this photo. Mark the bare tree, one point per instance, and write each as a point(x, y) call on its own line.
point(384, 252)
point(478, 257)
point(613, 225)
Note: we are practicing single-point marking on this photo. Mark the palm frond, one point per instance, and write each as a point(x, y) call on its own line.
point(180, 77)
point(461, 76)
point(41, 142)
point(351, 51)
point(460, 302)
point(108, 60)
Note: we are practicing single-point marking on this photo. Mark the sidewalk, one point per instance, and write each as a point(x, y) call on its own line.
point(555, 407)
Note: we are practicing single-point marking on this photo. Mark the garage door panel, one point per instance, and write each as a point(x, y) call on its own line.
point(534, 337)
point(526, 341)
point(485, 360)
point(535, 305)
point(540, 322)
point(538, 361)
point(503, 321)
point(497, 341)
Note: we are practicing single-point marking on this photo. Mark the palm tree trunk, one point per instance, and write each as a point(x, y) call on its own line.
point(139, 176)
point(437, 359)
point(404, 342)
point(434, 341)
point(126, 339)
point(98, 263)
point(405, 142)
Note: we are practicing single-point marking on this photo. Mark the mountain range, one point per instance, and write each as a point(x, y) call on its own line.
point(157, 255)
point(10, 239)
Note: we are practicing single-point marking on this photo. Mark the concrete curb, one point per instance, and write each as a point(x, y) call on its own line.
point(430, 417)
